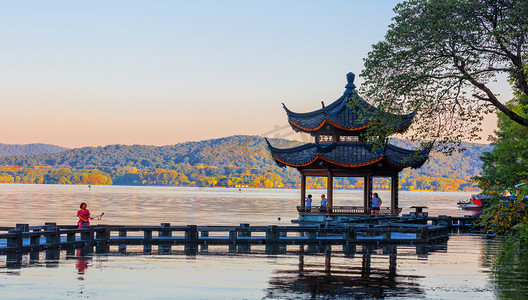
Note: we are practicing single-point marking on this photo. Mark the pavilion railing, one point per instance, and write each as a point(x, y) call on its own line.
point(343, 210)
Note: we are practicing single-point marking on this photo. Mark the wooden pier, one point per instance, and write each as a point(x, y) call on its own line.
point(381, 229)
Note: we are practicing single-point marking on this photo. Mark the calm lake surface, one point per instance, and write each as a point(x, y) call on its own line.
point(459, 269)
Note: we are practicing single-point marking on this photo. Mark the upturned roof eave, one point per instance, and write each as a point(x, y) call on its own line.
point(337, 107)
point(320, 111)
point(421, 156)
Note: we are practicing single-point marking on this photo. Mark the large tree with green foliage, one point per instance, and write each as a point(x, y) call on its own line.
point(505, 168)
point(438, 59)
point(507, 164)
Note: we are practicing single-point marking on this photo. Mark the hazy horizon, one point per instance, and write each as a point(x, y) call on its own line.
point(158, 73)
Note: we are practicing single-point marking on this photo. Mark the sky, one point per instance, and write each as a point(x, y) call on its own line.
point(94, 73)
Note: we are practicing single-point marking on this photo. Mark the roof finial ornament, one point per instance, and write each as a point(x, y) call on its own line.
point(350, 87)
point(350, 78)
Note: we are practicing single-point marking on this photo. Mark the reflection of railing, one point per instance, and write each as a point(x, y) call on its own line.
point(343, 210)
point(83, 254)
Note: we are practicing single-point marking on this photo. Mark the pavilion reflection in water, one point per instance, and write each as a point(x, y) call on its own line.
point(346, 270)
point(370, 272)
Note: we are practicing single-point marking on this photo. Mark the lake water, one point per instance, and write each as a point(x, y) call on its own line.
point(459, 269)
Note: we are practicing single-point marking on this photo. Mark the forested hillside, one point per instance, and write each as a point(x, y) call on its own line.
point(29, 149)
point(231, 161)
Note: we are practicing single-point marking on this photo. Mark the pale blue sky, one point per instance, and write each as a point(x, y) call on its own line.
point(90, 73)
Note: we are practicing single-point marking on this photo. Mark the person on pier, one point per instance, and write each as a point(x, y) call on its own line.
point(84, 216)
point(376, 204)
point(324, 202)
point(308, 204)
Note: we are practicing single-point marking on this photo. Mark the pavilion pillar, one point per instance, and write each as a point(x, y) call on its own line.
point(330, 189)
point(367, 190)
point(303, 189)
point(394, 194)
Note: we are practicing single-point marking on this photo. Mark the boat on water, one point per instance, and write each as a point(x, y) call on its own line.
point(475, 203)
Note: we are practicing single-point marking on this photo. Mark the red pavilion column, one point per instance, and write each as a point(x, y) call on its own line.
point(394, 194)
point(330, 189)
point(303, 189)
point(366, 195)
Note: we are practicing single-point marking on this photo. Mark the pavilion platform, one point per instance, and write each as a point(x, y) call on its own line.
point(318, 214)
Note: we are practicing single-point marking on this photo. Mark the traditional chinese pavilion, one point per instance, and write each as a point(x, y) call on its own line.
point(340, 150)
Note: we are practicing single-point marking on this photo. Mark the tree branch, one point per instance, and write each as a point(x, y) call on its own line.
point(492, 99)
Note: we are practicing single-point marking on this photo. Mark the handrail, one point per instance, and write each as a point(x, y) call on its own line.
point(343, 210)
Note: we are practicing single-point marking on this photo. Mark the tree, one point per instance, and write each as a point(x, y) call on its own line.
point(504, 168)
point(438, 59)
point(507, 164)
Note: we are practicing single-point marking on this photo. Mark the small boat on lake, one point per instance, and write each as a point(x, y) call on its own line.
point(476, 203)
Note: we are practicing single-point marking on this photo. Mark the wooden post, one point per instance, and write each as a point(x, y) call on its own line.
point(147, 236)
point(394, 195)
point(52, 234)
point(303, 189)
point(204, 247)
point(35, 240)
point(23, 227)
point(15, 241)
point(369, 192)
point(165, 230)
point(321, 231)
point(191, 234)
point(34, 256)
point(102, 238)
point(330, 189)
point(387, 235)
point(86, 235)
point(272, 234)
point(70, 237)
point(312, 235)
point(147, 241)
point(424, 234)
point(233, 236)
point(122, 245)
point(102, 235)
point(366, 195)
point(244, 230)
point(350, 233)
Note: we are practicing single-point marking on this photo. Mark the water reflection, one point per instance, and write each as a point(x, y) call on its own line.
point(356, 272)
point(82, 263)
point(327, 271)
point(508, 262)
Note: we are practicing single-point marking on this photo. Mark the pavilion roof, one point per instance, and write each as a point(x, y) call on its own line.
point(348, 155)
point(350, 112)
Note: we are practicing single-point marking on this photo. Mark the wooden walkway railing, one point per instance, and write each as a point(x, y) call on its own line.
point(28, 238)
point(343, 210)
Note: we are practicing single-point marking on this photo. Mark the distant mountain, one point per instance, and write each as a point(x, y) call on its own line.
point(236, 159)
point(236, 151)
point(29, 149)
point(458, 165)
